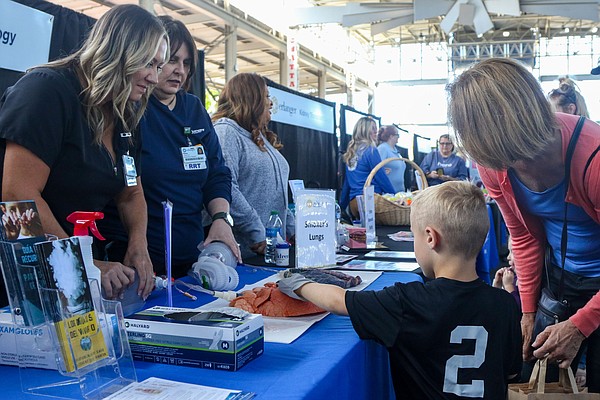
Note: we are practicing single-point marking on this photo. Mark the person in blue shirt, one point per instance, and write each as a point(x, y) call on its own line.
point(444, 165)
point(360, 159)
point(388, 136)
point(182, 162)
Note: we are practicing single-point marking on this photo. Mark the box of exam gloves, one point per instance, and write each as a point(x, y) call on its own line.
point(34, 343)
point(212, 339)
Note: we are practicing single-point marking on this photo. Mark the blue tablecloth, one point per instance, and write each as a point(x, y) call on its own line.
point(328, 362)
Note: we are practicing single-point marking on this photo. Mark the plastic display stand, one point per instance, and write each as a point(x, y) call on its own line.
point(94, 381)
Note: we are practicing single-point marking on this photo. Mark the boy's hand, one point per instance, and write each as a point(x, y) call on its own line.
point(294, 282)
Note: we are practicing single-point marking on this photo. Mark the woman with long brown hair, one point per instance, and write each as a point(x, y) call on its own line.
point(251, 151)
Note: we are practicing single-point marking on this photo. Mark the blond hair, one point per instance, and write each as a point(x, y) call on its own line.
point(500, 114)
point(566, 94)
point(361, 139)
point(122, 41)
point(457, 211)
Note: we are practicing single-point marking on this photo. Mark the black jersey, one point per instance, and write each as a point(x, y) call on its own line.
point(446, 339)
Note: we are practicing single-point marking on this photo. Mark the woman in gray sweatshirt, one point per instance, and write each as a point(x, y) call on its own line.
point(251, 151)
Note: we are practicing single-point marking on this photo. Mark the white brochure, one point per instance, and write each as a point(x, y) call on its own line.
point(315, 228)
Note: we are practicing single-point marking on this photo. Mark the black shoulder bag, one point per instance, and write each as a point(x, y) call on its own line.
point(554, 309)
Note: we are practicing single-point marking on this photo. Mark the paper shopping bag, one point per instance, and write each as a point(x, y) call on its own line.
point(538, 389)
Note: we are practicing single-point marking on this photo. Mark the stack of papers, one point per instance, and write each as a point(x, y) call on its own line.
point(373, 265)
point(162, 389)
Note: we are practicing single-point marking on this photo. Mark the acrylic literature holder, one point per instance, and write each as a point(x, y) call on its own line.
point(60, 335)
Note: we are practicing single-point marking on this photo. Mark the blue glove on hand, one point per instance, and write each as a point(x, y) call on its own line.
point(290, 284)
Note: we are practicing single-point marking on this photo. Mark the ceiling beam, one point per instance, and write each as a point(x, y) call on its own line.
point(272, 40)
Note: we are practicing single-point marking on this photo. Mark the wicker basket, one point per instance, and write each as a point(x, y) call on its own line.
point(387, 212)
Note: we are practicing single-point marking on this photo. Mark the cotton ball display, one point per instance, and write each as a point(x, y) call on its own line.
point(68, 275)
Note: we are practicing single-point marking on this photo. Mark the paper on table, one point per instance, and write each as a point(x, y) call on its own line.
point(342, 258)
point(407, 255)
point(162, 389)
point(374, 265)
point(402, 236)
point(287, 329)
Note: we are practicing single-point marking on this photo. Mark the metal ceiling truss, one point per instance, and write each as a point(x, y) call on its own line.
point(260, 48)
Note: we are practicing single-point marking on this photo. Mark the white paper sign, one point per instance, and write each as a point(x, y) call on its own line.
point(295, 186)
point(369, 201)
point(25, 35)
point(315, 228)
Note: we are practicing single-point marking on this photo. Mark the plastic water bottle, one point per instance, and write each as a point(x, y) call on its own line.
point(341, 233)
point(272, 229)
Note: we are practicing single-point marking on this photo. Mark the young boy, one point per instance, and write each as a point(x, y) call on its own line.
point(452, 337)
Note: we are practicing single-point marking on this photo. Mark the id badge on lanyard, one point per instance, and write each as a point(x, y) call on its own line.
point(193, 157)
point(129, 171)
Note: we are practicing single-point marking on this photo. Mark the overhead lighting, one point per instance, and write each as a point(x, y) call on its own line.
point(480, 35)
point(594, 29)
point(506, 33)
point(567, 30)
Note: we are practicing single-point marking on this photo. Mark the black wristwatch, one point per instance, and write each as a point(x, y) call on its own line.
point(223, 215)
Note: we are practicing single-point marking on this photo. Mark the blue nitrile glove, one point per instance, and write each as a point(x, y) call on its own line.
point(291, 283)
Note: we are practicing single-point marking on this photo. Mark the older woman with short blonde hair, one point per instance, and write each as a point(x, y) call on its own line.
point(506, 124)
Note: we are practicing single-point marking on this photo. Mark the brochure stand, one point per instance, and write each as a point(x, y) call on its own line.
point(89, 380)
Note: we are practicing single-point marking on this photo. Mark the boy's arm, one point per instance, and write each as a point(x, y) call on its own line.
point(329, 297)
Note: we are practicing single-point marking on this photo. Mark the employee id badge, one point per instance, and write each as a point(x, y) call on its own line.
point(129, 170)
point(193, 157)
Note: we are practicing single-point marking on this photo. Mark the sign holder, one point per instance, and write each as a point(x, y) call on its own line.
point(93, 381)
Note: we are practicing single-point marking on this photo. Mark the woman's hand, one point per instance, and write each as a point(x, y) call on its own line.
point(560, 343)
point(527, 321)
point(259, 248)
point(433, 175)
point(137, 257)
point(115, 278)
point(220, 231)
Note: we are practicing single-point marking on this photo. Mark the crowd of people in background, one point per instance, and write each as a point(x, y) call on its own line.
point(226, 174)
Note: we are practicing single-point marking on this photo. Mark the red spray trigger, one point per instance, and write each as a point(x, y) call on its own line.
point(84, 220)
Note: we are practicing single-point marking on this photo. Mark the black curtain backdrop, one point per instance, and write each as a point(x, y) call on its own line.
point(198, 86)
point(345, 138)
point(69, 30)
point(419, 155)
point(312, 154)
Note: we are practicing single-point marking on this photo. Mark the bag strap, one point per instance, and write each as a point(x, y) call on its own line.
point(563, 239)
point(537, 380)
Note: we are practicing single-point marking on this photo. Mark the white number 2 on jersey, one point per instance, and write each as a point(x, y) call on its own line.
point(451, 385)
